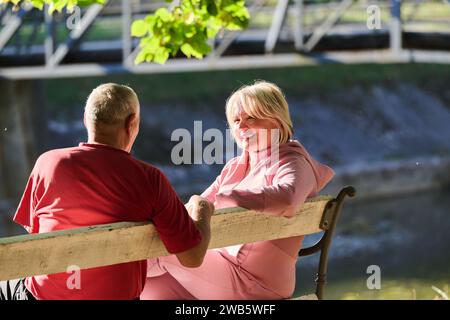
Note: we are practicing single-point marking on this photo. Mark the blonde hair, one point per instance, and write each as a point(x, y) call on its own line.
point(111, 103)
point(262, 100)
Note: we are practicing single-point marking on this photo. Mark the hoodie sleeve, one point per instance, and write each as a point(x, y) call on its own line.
point(293, 182)
point(211, 191)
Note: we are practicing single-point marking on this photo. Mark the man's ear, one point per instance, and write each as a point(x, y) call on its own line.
point(130, 122)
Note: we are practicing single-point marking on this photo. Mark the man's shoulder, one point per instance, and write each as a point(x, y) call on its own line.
point(51, 159)
point(54, 154)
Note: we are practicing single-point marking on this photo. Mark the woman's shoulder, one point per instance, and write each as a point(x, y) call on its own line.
point(232, 162)
point(293, 151)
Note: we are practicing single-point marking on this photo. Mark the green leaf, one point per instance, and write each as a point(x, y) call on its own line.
point(189, 17)
point(163, 14)
point(211, 7)
point(71, 5)
point(177, 37)
point(139, 28)
point(189, 31)
point(56, 5)
point(60, 4)
point(150, 20)
point(39, 4)
point(141, 57)
point(199, 45)
point(214, 26)
point(211, 32)
point(166, 39)
point(161, 55)
point(86, 3)
point(187, 50)
point(153, 45)
point(150, 44)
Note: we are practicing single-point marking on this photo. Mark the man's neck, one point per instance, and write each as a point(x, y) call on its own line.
point(108, 142)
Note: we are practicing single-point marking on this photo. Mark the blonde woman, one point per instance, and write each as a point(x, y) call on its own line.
point(274, 175)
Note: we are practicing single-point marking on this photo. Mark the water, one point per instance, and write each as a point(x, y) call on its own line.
point(407, 237)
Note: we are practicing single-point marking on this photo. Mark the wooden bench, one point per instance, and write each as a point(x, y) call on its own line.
point(102, 245)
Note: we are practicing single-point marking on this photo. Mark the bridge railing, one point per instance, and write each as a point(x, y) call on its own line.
point(97, 39)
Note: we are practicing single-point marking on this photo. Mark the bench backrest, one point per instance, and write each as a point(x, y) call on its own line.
point(109, 244)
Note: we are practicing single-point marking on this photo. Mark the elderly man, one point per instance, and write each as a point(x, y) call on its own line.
point(99, 182)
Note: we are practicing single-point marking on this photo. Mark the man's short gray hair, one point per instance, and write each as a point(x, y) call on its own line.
point(111, 103)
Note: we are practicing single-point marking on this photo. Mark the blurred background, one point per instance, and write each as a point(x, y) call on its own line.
point(368, 97)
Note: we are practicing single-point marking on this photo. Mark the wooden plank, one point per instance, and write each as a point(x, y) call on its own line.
point(103, 245)
point(311, 296)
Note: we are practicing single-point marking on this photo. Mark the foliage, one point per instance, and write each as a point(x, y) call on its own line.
point(185, 26)
point(55, 5)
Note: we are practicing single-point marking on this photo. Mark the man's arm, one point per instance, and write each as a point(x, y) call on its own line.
point(200, 210)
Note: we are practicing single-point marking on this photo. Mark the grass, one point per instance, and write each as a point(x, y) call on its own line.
point(410, 280)
point(391, 289)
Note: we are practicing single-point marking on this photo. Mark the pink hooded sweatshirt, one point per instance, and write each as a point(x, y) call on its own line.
point(277, 184)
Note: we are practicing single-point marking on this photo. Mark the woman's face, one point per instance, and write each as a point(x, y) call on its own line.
point(254, 134)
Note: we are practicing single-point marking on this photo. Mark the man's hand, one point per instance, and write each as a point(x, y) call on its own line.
point(200, 208)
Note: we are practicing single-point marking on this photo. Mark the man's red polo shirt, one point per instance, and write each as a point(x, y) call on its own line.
point(97, 184)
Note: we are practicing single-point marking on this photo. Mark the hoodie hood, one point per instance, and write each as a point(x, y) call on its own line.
point(322, 172)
